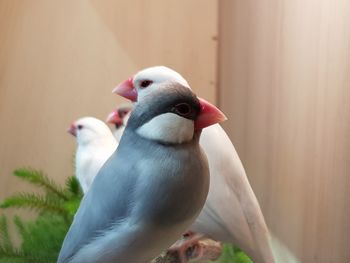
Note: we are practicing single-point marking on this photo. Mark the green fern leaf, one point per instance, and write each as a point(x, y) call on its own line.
point(14, 258)
point(8, 253)
point(73, 186)
point(37, 177)
point(43, 238)
point(35, 202)
point(6, 243)
point(21, 228)
point(9, 259)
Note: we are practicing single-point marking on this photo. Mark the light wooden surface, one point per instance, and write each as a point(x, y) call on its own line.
point(284, 79)
point(284, 76)
point(59, 60)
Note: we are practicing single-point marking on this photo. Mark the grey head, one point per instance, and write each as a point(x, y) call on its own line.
point(166, 116)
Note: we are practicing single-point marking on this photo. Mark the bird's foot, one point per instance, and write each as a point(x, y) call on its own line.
point(187, 248)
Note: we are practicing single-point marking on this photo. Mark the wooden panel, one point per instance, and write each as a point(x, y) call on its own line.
point(284, 81)
point(59, 60)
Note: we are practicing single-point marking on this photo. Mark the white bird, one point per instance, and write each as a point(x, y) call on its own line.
point(231, 213)
point(95, 144)
point(152, 187)
point(119, 118)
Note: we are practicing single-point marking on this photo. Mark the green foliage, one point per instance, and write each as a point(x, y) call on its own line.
point(41, 238)
point(8, 253)
point(232, 254)
point(38, 178)
point(6, 244)
point(73, 187)
point(35, 202)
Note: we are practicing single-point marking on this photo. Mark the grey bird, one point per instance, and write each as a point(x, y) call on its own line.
point(152, 187)
point(231, 213)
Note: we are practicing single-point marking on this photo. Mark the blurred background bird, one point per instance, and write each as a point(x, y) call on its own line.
point(95, 144)
point(119, 117)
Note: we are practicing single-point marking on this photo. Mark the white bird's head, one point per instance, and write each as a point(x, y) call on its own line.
point(89, 129)
point(147, 81)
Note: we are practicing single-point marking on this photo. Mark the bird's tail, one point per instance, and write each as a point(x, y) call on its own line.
point(280, 252)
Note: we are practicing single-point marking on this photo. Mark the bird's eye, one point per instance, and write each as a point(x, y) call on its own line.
point(122, 113)
point(80, 127)
point(145, 83)
point(183, 109)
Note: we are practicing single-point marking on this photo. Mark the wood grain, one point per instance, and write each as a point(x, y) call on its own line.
point(284, 75)
point(59, 60)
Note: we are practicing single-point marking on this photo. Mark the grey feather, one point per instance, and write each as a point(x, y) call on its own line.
point(144, 197)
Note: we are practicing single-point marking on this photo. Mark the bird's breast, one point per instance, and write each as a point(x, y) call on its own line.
point(178, 185)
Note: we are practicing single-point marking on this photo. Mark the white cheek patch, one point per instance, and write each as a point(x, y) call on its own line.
point(145, 92)
point(168, 128)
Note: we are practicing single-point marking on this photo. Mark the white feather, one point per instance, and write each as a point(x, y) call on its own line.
point(158, 75)
point(117, 133)
point(95, 144)
point(167, 128)
point(231, 212)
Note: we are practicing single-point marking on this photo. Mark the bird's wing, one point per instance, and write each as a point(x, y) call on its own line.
point(99, 210)
point(90, 158)
point(231, 205)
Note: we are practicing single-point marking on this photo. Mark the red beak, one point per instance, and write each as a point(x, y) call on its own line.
point(114, 118)
point(126, 89)
point(208, 115)
point(72, 130)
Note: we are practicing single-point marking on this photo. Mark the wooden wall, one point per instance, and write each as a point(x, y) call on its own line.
point(59, 60)
point(284, 77)
point(284, 83)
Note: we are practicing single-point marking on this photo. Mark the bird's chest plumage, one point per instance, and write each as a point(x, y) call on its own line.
point(172, 183)
point(143, 190)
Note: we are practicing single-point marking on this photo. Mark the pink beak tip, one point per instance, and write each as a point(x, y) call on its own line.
point(126, 89)
point(115, 90)
point(72, 130)
point(113, 118)
point(110, 116)
point(209, 115)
